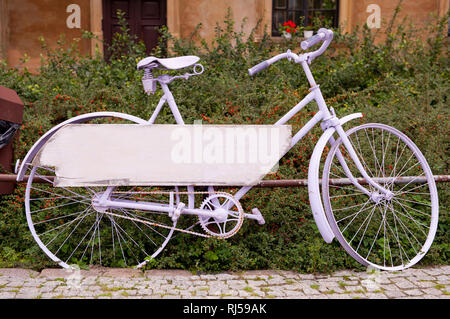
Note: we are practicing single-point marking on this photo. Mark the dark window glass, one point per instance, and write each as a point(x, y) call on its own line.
point(303, 12)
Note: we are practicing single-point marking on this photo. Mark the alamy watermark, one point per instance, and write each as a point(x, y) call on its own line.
point(240, 144)
point(373, 280)
point(374, 19)
point(73, 281)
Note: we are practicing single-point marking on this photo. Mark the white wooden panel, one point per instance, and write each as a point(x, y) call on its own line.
point(129, 154)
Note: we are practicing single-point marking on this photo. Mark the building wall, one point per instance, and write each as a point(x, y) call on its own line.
point(22, 22)
point(31, 19)
point(4, 28)
point(417, 11)
point(210, 12)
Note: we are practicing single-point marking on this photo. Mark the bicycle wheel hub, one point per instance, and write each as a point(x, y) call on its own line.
point(96, 203)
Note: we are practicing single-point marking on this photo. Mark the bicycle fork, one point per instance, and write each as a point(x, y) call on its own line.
point(331, 124)
point(375, 196)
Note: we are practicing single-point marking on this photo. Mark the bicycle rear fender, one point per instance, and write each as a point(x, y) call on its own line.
point(78, 119)
point(313, 181)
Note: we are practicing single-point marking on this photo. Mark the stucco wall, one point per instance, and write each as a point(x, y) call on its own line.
point(31, 19)
point(27, 20)
point(208, 12)
point(416, 11)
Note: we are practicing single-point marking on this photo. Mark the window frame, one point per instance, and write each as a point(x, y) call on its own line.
point(305, 9)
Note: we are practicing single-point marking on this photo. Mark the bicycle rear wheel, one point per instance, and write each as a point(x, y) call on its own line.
point(388, 234)
point(70, 229)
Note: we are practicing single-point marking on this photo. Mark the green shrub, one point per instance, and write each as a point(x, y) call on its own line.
point(400, 81)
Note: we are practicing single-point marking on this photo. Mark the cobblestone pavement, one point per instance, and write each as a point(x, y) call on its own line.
point(110, 283)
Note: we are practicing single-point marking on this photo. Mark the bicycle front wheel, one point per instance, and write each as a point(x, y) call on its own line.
point(388, 234)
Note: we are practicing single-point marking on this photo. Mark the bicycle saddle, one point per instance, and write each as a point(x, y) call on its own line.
point(169, 63)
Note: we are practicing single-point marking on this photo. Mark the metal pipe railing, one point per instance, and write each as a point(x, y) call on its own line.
point(281, 182)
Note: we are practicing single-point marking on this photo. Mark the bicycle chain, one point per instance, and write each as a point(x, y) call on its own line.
point(175, 228)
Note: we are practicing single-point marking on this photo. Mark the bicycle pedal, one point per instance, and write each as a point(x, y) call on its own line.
point(259, 217)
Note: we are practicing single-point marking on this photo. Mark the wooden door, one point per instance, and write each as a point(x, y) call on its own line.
point(142, 17)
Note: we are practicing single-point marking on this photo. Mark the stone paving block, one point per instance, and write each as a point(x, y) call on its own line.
point(29, 294)
point(166, 273)
point(294, 293)
point(394, 293)
point(146, 291)
point(413, 292)
point(7, 295)
point(46, 289)
point(3, 281)
point(267, 284)
point(309, 291)
point(200, 293)
point(276, 281)
point(403, 283)
point(425, 284)
point(443, 277)
point(256, 283)
point(433, 271)
point(226, 277)
point(352, 282)
point(287, 274)
point(123, 273)
point(339, 296)
point(376, 295)
point(15, 283)
point(383, 279)
point(32, 283)
point(330, 284)
point(18, 273)
point(55, 273)
point(229, 292)
point(357, 296)
point(215, 292)
point(432, 291)
point(335, 290)
point(352, 288)
point(236, 284)
point(277, 294)
point(49, 295)
point(445, 269)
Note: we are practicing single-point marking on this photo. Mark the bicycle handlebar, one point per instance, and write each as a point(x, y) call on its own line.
point(305, 45)
point(261, 66)
point(258, 68)
point(325, 35)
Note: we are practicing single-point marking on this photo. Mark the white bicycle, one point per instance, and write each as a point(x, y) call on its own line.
point(378, 196)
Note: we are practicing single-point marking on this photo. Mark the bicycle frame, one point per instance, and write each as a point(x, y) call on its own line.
point(330, 124)
point(104, 216)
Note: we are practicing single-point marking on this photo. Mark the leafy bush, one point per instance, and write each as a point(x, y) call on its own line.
point(400, 81)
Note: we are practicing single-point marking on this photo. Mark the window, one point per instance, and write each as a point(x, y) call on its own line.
point(302, 12)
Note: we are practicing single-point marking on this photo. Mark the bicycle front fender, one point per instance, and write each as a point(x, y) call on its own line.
point(74, 120)
point(315, 199)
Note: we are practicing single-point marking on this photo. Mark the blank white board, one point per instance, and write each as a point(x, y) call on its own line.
point(165, 155)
